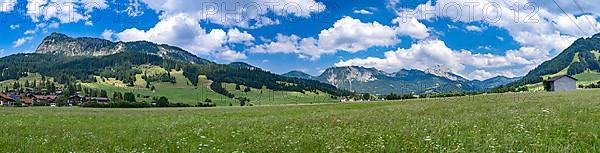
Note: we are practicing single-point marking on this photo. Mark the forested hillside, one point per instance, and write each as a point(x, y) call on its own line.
point(580, 57)
point(81, 66)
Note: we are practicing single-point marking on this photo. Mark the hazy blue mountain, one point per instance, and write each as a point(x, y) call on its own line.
point(299, 74)
point(370, 80)
point(493, 82)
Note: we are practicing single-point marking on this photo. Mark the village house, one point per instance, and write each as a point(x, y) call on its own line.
point(561, 83)
point(45, 98)
point(86, 98)
point(6, 100)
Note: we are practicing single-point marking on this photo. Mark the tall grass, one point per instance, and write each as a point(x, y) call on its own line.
point(532, 122)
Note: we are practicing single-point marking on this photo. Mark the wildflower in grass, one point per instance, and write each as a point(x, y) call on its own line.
point(428, 138)
point(546, 110)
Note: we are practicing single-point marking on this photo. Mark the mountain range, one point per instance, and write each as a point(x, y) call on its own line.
point(61, 44)
point(357, 79)
point(69, 60)
point(371, 80)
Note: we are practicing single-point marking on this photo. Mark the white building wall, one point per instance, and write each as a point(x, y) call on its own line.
point(565, 84)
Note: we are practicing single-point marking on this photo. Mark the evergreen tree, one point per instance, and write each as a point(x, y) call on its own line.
point(162, 102)
point(129, 97)
point(16, 85)
point(103, 94)
point(117, 97)
point(93, 93)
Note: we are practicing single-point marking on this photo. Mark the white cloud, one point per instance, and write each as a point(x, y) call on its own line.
point(230, 55)
point(587, 23)
point(14, 27)
point(347, 34)
point(7, 5)
point(431, 53)
point(108, 34)
point(541, 29)
point(19, 42)
point(411, 27)
point(363, 11)
point(483, 74)
point(352, 35)
point(185, 32)
point(527, 22)
point(236, 36)
point(64, 11)
point(134, 8)
point(240, 13)
point(29, 32)
point(180, 30)
point(474, 28)
point(89, 23)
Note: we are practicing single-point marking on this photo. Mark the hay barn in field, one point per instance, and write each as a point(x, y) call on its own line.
point(561, 83)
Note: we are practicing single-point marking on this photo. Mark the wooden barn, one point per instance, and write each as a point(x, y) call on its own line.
point(561, 83)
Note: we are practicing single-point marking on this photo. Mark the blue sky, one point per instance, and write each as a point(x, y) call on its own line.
point(477, 39)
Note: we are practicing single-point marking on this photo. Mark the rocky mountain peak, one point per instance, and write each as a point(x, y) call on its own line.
point(445, 73)
point(61, 44)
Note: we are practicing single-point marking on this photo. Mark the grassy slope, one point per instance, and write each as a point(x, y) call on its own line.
point(585, 78)
point(30, 78)
point(183, 92)
point(532, 122)
point(270, 97)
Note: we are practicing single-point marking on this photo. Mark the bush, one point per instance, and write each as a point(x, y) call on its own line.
point(206, 104)
point(41, 103)
point(129, 97)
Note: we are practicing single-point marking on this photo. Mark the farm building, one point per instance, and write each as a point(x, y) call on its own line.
point(561, 83)
point(6, 100)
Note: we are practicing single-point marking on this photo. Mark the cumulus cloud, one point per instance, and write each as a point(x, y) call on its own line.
point(411, 27)
point(541, 29)
point(236, 36)
point(108, 34)
point(352, 35)
point(527, 21)
point(185, 31)
point(230, 55)
point(347, 34)
point(240, 13)
point(65, 11)
point(19, 42)
point(431, 53)
point(587, 23)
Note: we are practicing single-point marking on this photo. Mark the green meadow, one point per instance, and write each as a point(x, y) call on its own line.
point(183, 92)
point(523, 122)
